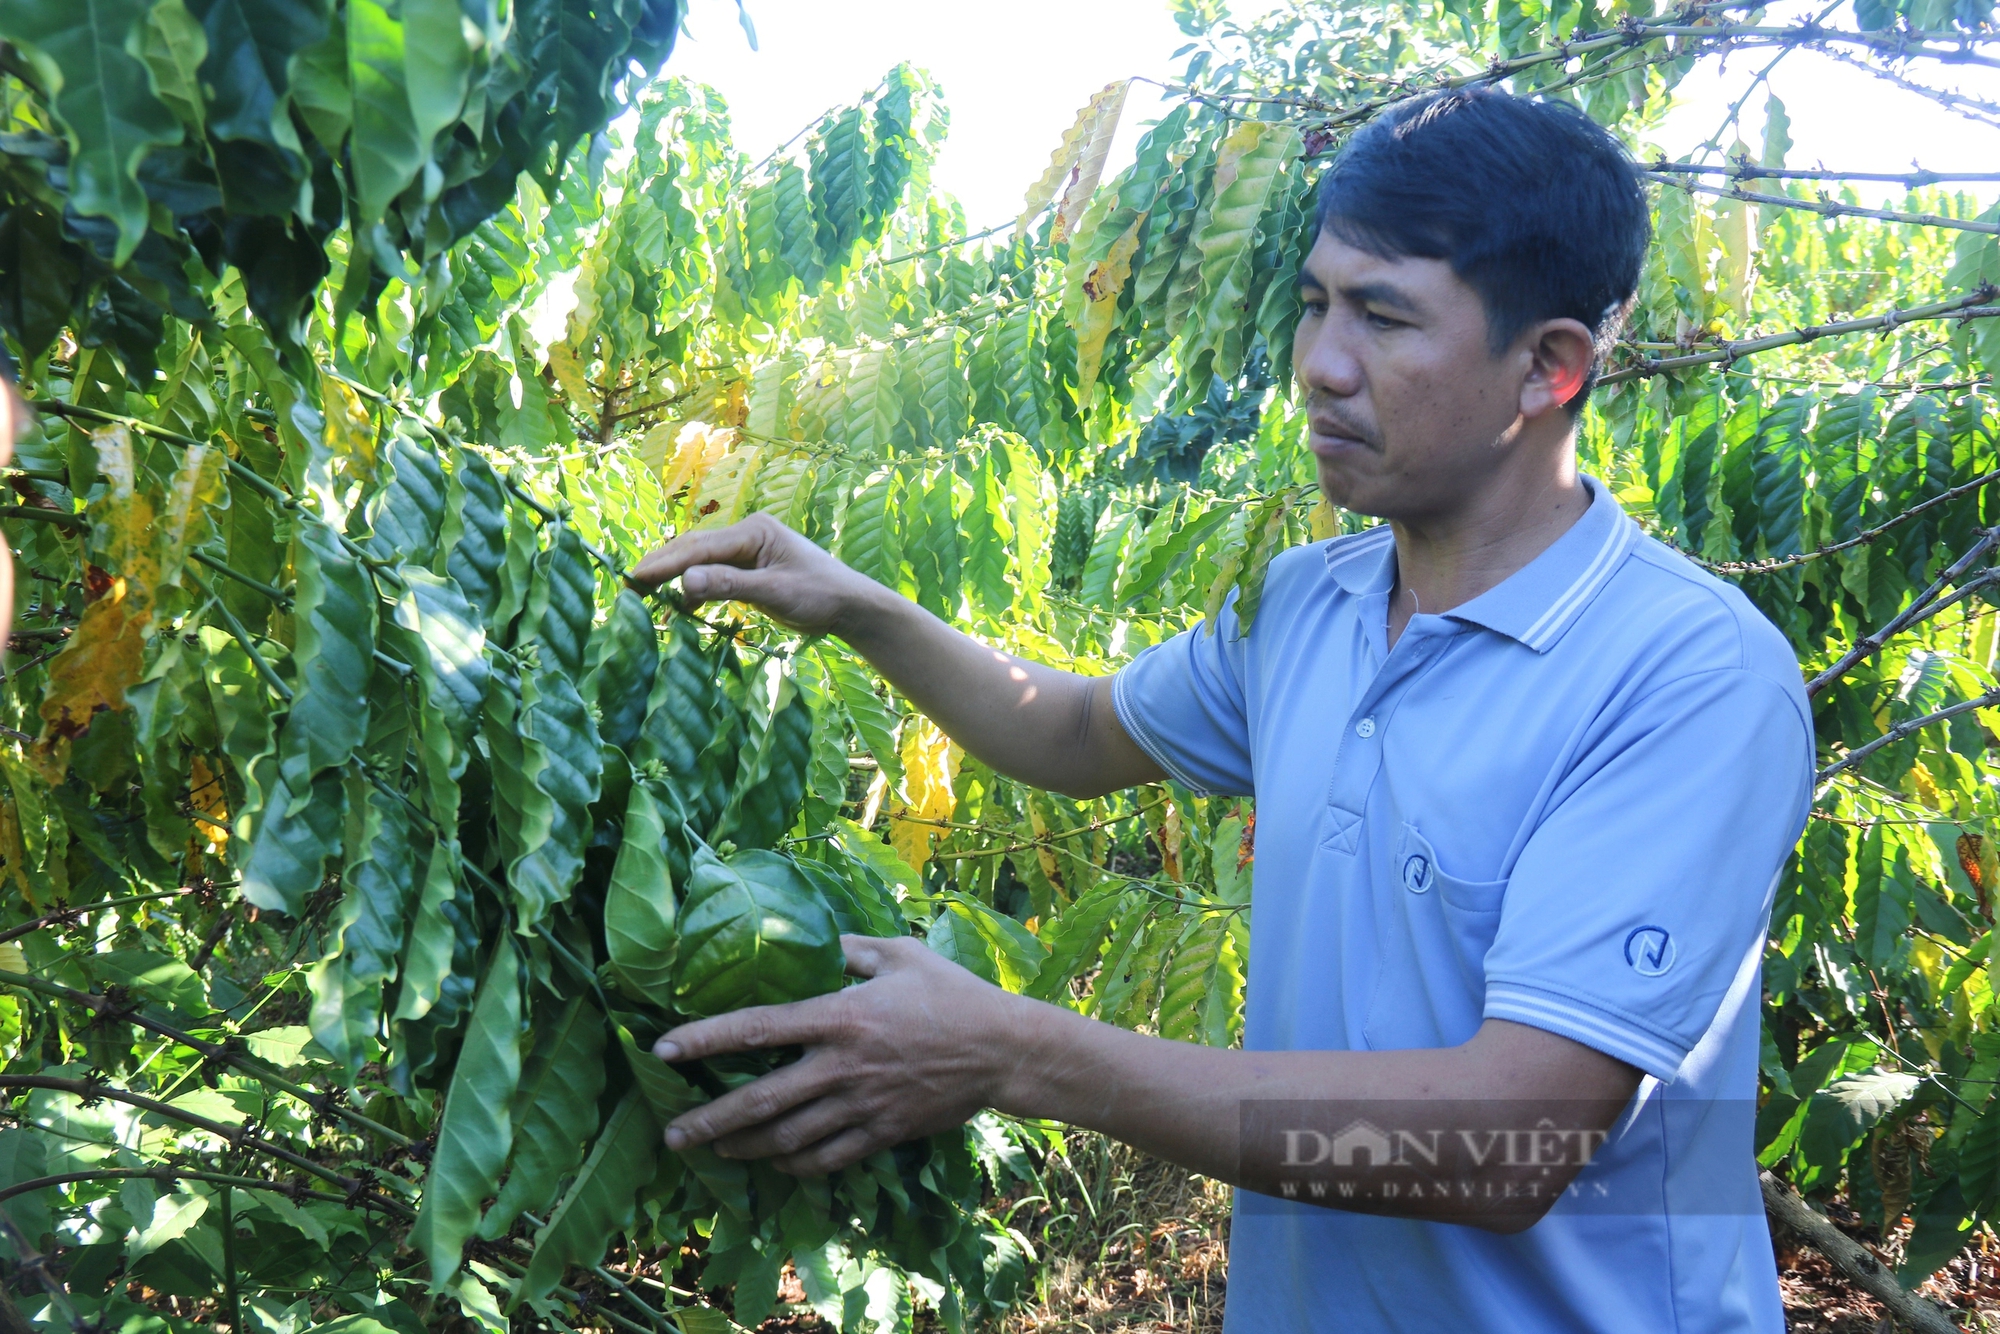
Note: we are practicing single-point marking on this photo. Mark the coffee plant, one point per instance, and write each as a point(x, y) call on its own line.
point(363, 826)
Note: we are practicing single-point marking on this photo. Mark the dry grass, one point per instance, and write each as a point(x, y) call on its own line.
point(1128, 1244)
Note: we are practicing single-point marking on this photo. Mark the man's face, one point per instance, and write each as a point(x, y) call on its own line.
point(1410, 409)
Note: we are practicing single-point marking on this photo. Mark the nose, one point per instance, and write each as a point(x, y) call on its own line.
point(1324, 362)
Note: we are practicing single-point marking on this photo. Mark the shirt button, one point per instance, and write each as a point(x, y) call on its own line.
point(1365, 728)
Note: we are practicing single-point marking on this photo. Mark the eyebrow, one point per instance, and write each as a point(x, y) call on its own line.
point(1380, 294)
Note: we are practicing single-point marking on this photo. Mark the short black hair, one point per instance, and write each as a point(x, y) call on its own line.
point(1534, 205)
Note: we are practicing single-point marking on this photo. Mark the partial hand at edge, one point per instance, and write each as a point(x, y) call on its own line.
point(762, 562)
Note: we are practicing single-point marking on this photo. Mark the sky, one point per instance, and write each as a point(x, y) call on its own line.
point(1015, 75)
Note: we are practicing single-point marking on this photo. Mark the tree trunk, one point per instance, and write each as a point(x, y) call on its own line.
point(1852, 1259)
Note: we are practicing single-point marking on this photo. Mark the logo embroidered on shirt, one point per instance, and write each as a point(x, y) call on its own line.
point(1650, 950)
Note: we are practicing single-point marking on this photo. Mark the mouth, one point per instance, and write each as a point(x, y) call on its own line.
point(1332, 439)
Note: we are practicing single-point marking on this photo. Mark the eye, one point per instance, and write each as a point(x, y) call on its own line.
point(1314, 303)
point(1377, 320)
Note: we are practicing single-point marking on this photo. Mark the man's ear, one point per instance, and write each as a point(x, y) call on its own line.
point(1560, 354)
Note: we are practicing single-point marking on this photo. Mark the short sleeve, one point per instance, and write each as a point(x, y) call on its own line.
point(1646, 893)
point(1183, 703)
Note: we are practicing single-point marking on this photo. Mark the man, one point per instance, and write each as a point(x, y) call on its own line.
point(1524, 780)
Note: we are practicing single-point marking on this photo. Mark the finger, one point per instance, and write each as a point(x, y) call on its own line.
point(831, 1154)
point(728, 546)
point(751, 1105)
point(726, 583)
point(865, 955)
point(870, 956)
point(793, 1131)
point(796, 1024)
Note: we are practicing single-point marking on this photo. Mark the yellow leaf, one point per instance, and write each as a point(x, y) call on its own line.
point(1110, 104)
point(1044, 854)
point(1101, 288)
point(930, 763)
point(1077, 143)
point(349, 434)
point(1736, 239)
point(697, 448)
point(15, 849)
point(103, 658)
point(657, 446)
point(719, 498)
point(912, 841)
point(210, 800)
point(1325, 523)
point(199, 485)
point(121, 518)
point(569, 374)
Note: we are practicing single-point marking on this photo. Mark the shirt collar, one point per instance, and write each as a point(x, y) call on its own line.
point(1536, 604)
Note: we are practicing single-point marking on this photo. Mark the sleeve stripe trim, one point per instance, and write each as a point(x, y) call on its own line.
point(1593, 1030)
point(1536, 991)
point(1142, 736)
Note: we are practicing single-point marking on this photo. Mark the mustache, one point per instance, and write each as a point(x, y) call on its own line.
point(1327, 419)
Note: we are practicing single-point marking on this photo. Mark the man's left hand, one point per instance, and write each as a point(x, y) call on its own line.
point(916, 1049)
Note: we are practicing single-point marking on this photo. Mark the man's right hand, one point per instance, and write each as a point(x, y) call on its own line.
point(763, 563)
point(1048, 728)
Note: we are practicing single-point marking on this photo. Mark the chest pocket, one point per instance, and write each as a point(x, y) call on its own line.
point(1433, 929)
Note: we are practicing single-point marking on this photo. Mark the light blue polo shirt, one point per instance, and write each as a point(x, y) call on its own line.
point(1565, 804)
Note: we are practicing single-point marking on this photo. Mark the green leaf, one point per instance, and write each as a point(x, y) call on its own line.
point(150, 974)
point(562, 592)
point(684, 713)
point(639, 905)
point(753, 932)
point(668, 1095)
point(453, 661)
point(954, 934)
point(173, 46)
point(624, 658)
point(377, 885)
point(1203, 984)
point(475, 532)
point(406, 515)
point(388, 151)
point(547, 767)
point(172, 1217)
point(333, 658)
point(1252, 159)
point(555, 1113)
point(869, 540)
point(477, 1129)
point(861, 904)
point(873, 721)
point(1074, 939)
point(600, 1203)
point(436, 65)
point(433, 935)
point(293, 838)
point(1267, 535)
point(103, 97)
point(1015, 953)
point(771, 780)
